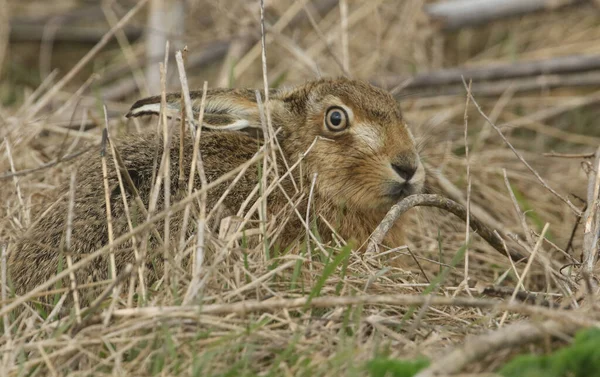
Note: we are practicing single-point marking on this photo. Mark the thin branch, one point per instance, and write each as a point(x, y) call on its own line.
point(429, 200)
point(570, 155)
point(532, 170)
point(477, 347)
point(458, 14)
point(249, 306)
point(591, 233)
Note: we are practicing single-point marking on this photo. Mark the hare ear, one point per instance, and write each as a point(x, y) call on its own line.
point(225, 109)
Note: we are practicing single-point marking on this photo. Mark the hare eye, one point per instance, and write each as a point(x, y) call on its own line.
point(336, 119)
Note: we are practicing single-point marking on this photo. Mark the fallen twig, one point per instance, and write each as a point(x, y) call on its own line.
point(476, 347)
point(429, 200)
point(403, 86)
point(27, 32)
point(457, 14)
point(591, 218)
point(249, 306)
point(562, 64)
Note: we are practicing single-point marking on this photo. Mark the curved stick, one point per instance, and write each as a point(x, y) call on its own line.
point(430, 200)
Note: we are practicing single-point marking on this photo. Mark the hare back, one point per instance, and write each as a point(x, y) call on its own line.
point(38, 255)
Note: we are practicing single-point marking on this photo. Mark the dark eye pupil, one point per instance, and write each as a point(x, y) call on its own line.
point(336, 118)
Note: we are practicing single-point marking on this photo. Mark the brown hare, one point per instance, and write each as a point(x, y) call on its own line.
point(359, 149)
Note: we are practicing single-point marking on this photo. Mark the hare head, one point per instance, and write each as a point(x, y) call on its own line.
point(364, 156)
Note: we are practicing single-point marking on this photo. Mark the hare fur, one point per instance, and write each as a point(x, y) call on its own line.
point(361, 150)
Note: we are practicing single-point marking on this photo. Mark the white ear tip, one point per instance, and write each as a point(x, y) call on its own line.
point(150, 109)
point(239, 124)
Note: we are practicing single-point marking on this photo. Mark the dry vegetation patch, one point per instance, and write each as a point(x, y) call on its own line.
point(521, 151)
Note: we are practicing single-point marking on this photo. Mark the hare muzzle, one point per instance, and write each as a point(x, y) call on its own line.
point(409, 177)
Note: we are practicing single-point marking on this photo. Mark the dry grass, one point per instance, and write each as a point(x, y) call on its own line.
point(264, 311)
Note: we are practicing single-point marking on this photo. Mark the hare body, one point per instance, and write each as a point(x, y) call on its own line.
point(350, 136)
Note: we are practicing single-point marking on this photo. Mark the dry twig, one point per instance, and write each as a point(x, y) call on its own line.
point(480, 346)
point(429, 200)
point(591, 218)
point(503, 71)
point(458, 14)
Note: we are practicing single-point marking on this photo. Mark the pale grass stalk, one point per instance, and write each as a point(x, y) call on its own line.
point(189, 115)
point(255, 52)
point(29, 100)
point(318, 243)
point(115, 288)
point(5, 317)
point(24, 211)
point(344, 34)
point(333, 54)
point(468, 204)
point(157, 177)
point(262, 213)
point(198, 256)
point(308, 231)
point(47, 360)
point(43, 101)
point(69, 232)
point(85, 260)
point(218, 203)
point(497, 110)
point(113, 302)
point(276, 184)
point(390, 251)
point(134, 243)
point(196, 146)
point(58, 307)
point(526, 270)
point(184, 54)
point(4, 30)
point(455, 193)
point(77, 95)
point(270, 135)
point(136, 195)
point(166, 163)
point(512, 263)
point(128, 53)
point(520, 215)
point(65, 131)
point(358, 15)
point(256, 282)
point(47, 44)
point(156, 39)
point(34, 362)
point(251, 306)
point(308, 64)
point(109, 224)
point(78, 137)
point(591, 232)
point(272, 187)
point(66, 290)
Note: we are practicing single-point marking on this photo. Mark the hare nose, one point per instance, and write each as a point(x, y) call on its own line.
point(405, 171)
